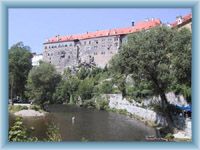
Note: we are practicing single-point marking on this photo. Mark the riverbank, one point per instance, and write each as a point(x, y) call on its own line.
point(26, 111)
point(29, 113)
point(116, 103)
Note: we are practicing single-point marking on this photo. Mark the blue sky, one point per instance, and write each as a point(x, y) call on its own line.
point(33, 25)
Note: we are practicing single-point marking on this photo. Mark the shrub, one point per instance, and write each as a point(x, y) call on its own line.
point(53, 134)
point(169, 136)
point(35, 107)
point(16, 108)
point(18, 133)
point(102, 103)
point(89, 104)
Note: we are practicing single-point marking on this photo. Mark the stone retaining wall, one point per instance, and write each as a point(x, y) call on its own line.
point(117, 102)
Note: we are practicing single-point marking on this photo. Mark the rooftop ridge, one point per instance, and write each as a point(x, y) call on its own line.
point(143, 25)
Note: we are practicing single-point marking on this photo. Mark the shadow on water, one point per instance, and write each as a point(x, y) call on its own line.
point(92, 125)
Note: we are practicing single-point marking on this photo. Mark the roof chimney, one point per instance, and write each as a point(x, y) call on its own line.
point(179, 19)
point(132, 23)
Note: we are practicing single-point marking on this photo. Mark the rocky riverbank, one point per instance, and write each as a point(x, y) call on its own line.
point(29, 113)
point(26, 111)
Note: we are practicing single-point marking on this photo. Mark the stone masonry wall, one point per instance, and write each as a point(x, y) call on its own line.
point(71, 53)
point(116, 101)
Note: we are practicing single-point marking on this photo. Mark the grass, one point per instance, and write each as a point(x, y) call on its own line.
point(16, 108)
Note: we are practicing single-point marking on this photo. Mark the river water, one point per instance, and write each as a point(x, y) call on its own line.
point(93, 125)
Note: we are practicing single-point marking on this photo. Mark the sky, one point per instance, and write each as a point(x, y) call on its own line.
point(33, 26)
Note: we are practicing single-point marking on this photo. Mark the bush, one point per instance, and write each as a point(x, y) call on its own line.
point(53, 133)
point(106, 87)
point(89, 104)
point(16, 108)
point(85, 89)
point(35, 107)
point(169, 136)
point(101, 103)
point(18, 133)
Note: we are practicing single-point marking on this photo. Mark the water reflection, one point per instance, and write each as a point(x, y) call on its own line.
point(93, 125)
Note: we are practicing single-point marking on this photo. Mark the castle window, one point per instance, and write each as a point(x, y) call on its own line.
point(116, 44)
point(95, 47)
point(65, 45)
point(85, 43)
point(116, 39)
point(48, 54)
point(103, 39)
point(70, 44)
point(68, 57)
point(96, 41)
point(89, 42)
point(45, 47)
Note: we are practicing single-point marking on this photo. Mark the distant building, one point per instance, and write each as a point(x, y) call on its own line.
point(95, 48)
point(36, 59)
point(183, 22)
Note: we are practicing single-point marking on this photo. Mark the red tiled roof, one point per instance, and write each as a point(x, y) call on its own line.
point(185, 19)
point(119, 31)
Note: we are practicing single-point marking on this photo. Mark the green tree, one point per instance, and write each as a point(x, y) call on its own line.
point(19, 67)
point(67, 90)
point(146, 57)
point(85, 89)
point(181, 58)
point(42, 82)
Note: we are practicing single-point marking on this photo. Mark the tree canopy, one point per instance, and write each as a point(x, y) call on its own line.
point(152, 57)
point(19, 67)
point(42, 82)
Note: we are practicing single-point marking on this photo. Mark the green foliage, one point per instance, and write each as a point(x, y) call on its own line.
point(85, 89)
point(16, 108)
point(18, 133)
point(153, 59)
point(105, 87)
point(83, 139)
point(19, 67)
point(169, 136)
point(53, 133)
point(67, 90)
point(181, 57)
point(35, 107)
point(42, 82)
point(101, 103)
point(83, 73)
point(89, 104)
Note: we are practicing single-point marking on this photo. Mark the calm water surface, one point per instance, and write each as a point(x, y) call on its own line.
point(90, 124)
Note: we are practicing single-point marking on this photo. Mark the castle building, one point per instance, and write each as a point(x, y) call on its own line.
point(183, 22)
point(95, 48)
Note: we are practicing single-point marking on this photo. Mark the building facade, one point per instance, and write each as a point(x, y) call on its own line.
point(94, 48)
point(97, 48)
point(183, 22)
point(36, 58)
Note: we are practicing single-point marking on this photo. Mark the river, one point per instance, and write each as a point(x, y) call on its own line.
point(93, 125)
